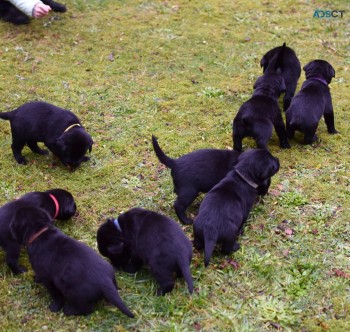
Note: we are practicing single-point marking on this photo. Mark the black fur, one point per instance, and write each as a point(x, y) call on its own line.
point(38, 121)
point(67, 209)
point(73, 273)
point(197, 172)
point(10, 13)
point(147, 237)
point(194, 173)
point(289, 68)
point(312, 102)
point(257, 116)
point(226, 207)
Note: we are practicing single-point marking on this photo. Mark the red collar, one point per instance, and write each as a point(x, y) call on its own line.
point(57, 206)
point(36, 235)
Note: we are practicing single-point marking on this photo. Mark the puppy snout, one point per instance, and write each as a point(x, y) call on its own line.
point(276, 164)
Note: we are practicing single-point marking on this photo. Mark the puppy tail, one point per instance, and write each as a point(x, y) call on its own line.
point(186, 273)
point(163, 158)
point(210, 239)
point(5, 115)
point(111, 294)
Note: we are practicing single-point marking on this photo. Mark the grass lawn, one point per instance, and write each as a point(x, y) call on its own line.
point(180, 70)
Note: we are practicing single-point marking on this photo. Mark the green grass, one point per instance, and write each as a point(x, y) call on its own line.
point(180, 70)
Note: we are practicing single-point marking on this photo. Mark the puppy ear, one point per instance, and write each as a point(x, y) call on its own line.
point(90, 147)
point(306, 67)
point(61, 144)
point(116, 249)
point(13, 231)
point(263, 63)
point(257, 82)
point(330, 71)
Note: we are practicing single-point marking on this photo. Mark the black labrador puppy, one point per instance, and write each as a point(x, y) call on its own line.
point(10, 13)
point(140, 237)
point(197, 172)
point(58, 203)
point(289, 68)
point(74, 274)
point(59, 129)
point(257, 116)
point(312, 102)
point(226, 207)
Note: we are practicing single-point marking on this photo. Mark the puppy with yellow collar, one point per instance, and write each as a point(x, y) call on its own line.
point(59, 129)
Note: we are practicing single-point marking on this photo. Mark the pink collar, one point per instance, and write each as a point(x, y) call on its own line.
point(57, 206)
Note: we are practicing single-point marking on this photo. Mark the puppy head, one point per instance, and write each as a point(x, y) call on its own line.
point(27, 221)
point(266, 59)
point(111, 242)
point(264, 62)
point(66, 202)
point(319, 68)
point(73, 146)
point(270, 84)
point(272, 60)
point(258, 165)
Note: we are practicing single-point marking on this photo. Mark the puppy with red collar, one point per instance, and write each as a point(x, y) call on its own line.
point(58, 203)
point(74, 274)
point(59, 129)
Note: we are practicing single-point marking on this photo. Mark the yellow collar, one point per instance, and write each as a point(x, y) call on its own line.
point(73, 125)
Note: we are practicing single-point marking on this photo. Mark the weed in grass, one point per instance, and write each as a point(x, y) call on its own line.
point(211, 92)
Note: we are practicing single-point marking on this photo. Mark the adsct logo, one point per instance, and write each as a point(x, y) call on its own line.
point(318, 13)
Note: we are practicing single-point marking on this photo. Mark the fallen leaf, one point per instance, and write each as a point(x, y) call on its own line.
point(288, 231)
point(258, 226)
point(197, 326)
point(274, 192)
point(340, 273)
point(324, 325)
point(276, 325)
point(234, 263)
point(231, 262)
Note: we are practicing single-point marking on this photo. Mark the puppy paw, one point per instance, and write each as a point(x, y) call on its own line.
point(56, 306)
point(86, 158)
point(236, 246)
point(58, 8)
point(21, 161)
point(333, 131)
point(285, 146)
point(43, 151)
point(18, 269)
